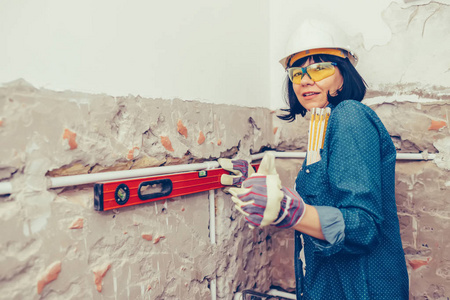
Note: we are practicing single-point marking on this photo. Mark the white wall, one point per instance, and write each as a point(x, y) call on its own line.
point(213, 51)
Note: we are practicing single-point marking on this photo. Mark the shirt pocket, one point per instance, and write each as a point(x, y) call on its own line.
point(311, 181)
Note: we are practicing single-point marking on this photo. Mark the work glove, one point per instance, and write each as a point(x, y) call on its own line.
point(263, 201)
point(240, 168)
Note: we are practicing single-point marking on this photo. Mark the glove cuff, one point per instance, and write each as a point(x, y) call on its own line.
point(291, 212)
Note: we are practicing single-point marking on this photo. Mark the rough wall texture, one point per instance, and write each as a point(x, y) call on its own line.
point(55, 245)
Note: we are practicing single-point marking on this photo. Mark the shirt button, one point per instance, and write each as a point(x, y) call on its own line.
point(307, 171)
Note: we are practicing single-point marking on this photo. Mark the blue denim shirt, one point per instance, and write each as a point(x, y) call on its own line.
point(353, 189)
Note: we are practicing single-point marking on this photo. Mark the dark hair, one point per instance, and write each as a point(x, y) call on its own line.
point(353, 88)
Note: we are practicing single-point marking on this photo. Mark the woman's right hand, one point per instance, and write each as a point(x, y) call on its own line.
point(283, 208)
point(264, 201)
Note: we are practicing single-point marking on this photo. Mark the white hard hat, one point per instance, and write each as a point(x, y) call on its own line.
point(317, 37)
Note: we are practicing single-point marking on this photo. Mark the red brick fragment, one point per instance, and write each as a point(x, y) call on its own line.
point(50, 274)
point(436, 125)
point(201, 138)
point(165, 141)
point(70, 136)
point(275, 129)
point(131, 153)
point(182, 209)
point(219, 142)
point(149, 287)
point(147, 236)
point(417, 263)
point(99, 273)
point(158, 238)
point(182, 129)
point(1, 122)
point(77, 224)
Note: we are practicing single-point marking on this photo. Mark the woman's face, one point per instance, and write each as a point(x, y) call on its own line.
point(312, 94)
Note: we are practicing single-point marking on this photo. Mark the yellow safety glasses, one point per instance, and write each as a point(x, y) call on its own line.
point(316, 72)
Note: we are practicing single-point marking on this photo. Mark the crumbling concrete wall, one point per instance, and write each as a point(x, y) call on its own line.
point(55, 245)
point(53, 242)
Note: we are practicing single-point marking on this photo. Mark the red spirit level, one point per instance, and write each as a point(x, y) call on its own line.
point(115, 194)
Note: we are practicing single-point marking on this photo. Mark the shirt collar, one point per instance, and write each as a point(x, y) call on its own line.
point(331, 106)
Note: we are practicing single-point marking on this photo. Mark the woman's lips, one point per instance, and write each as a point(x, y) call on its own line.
point(309, 95)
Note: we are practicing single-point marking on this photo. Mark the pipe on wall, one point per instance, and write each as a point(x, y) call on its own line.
point(63, 181)
point(212, 236)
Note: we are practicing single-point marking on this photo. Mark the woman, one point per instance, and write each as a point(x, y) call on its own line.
point(344, 204)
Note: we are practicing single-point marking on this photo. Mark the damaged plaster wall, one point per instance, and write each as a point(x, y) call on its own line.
point(53, 242)
point(55, 245)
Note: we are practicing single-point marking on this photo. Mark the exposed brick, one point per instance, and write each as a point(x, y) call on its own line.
point(77, 224)
point(417, 263)
point(201, 138)
point(99, 273)
point(132, 153)
point(71, 137)
point(158, 238)
point(182, 129)
point(165, 141)
point(50, 274)
point(436, 125)
point(147, 236)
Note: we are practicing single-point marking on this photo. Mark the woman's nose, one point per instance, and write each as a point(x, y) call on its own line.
point(306, 80)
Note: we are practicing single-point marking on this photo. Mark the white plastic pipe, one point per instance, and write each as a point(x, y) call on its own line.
point(57, 182)
point(400, 156)
point(212, 217)
point(274, 292)
point(5, 188)
point(415, 156)
point(212, 235)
